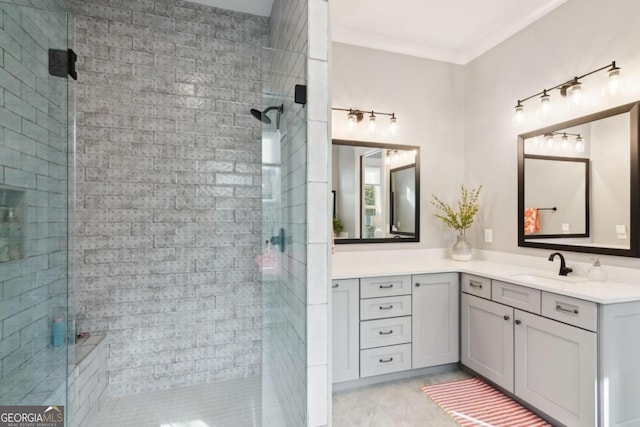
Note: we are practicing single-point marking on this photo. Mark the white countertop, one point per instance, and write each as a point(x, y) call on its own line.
point(389, 263)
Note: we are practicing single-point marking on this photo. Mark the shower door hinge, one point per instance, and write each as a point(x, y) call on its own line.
point(300, 94)
point(63, 62)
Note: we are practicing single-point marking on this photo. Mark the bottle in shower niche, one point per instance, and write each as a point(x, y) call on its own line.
point(15, 236)
point(58, 330)
point(4, 237)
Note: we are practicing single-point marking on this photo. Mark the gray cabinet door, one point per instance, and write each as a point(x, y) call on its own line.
point(345, 330)
point(435, 327)
point(556, 368)
point(487, 339)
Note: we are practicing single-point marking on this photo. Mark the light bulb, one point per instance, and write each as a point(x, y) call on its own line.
point(352, 121)
point(579, 144)
point(536, 141)
point(614, 79)
point(387, 159)
point(396, 154)
point(372, 123)
point(393, 124)
point(518, 116)
point(565, 141)
point(550, 141)
point(545, 103)
point(575, 94)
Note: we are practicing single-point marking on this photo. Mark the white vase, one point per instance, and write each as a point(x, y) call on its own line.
point(461, 250)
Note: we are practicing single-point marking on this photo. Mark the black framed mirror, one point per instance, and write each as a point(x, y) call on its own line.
point(578, 184)
point(376, 192)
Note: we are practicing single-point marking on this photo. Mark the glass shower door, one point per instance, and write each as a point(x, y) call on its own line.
point(284, 234)
point(36, 342)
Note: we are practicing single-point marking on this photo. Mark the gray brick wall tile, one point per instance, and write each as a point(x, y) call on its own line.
point(108, 13)
point(153, 20)
point(168, 189)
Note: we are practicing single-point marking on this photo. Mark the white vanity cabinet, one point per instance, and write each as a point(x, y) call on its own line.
point(435, 320)
point(549, 364)
point(345, 333)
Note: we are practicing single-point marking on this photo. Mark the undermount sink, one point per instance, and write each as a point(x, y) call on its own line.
point(537, 277)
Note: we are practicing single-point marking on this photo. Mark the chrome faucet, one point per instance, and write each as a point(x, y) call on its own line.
point(564, 270)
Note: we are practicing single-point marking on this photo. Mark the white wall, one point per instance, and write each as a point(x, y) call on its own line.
point(576, 38)
point(427, 97)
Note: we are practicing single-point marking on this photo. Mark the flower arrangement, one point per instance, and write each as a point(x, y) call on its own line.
point(461, 217)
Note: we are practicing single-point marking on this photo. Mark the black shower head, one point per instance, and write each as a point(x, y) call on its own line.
point(262, 115)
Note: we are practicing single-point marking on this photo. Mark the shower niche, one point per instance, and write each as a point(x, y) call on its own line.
point(12, 224)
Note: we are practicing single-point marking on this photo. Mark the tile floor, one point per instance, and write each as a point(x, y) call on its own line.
point(394, 404)
point(237, 404)
point(224, 404)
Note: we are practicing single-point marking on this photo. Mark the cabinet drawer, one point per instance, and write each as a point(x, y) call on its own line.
point(476, 285)
point(384, 332)
point(521, 297)
point(574, 311)
point(384, 360)
point(344, 283)
point(379, 308)
point(373, 287)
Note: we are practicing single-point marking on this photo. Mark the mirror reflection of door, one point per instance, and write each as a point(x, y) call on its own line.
point(403, 200)
point(372, 191)
point(556, 193)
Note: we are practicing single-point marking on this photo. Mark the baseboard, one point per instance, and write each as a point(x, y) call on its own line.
point(434, 370)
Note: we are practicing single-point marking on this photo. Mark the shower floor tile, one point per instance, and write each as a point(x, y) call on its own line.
point(233, 403)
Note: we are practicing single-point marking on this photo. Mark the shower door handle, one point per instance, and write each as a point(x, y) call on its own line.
point(279, 240)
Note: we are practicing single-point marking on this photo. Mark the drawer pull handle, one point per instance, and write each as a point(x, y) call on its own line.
point(518, 322)
point(335, 286)
point(386, 286)
point(567, 310)
point(389, 332)
point(417, 285)
point(389, 307)
point(476, 285)
point(386, 360)
point(506, 317)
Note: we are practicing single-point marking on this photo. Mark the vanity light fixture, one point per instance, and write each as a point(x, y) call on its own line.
point(564, 138)
point(545, 103)
point(352, 120)
point(372, 122)
point(550, 139)
point(579, 144)
point(354, 116)
point(614, 78)
point(571, 88)
point(393, 124)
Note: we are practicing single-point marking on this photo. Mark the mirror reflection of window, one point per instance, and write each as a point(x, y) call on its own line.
point(372, 203)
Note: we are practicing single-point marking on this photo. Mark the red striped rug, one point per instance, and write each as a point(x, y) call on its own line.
point(471, 402)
